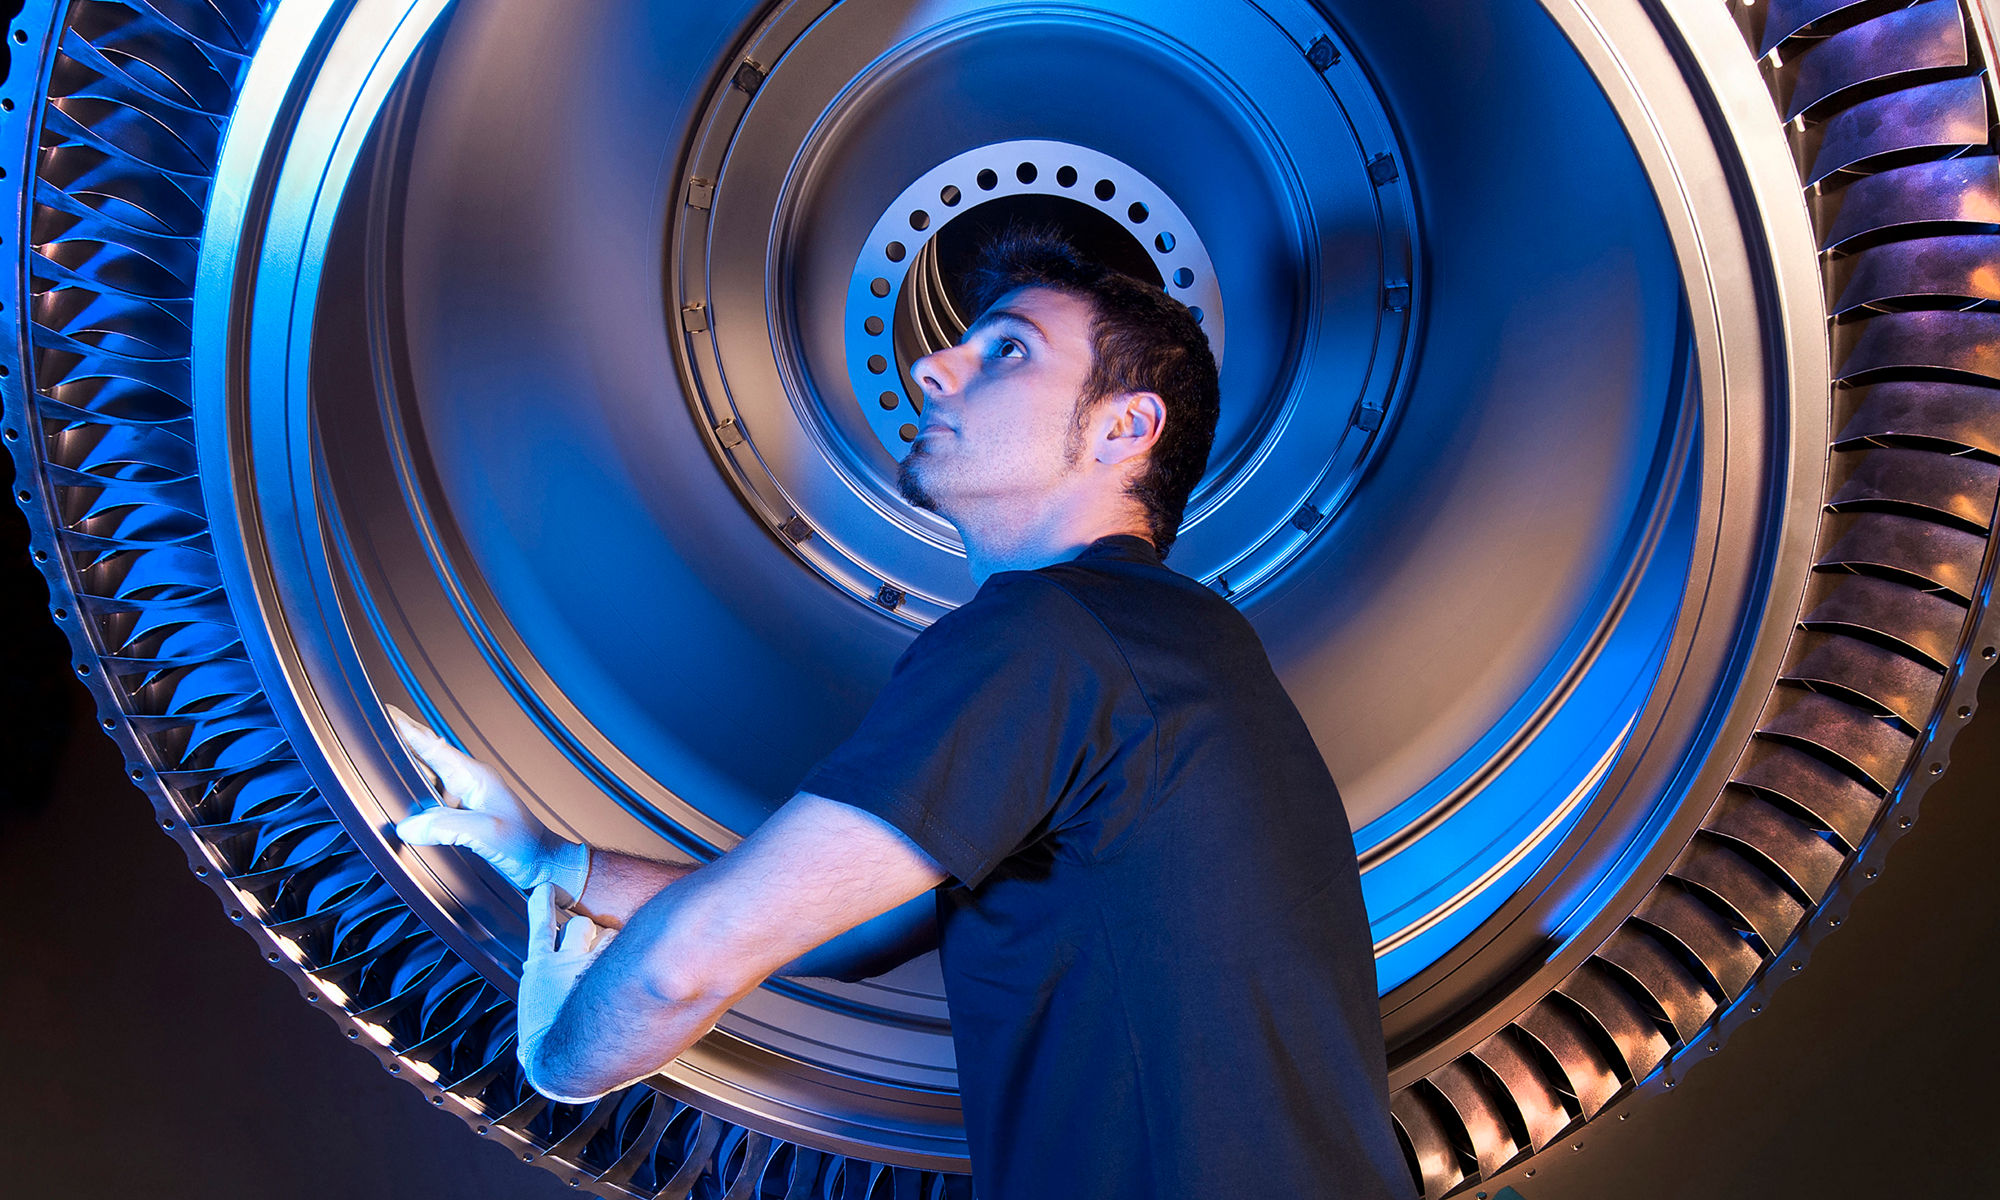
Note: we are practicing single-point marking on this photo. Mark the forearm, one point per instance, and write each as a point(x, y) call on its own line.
point(814, 871)
point(620, 884)
point(642, 1004)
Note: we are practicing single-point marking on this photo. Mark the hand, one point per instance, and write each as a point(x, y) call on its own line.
point(481, 813)
point(556, 959)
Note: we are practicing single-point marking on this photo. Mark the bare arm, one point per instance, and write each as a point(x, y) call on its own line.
point(816, 869)
point(620, 884)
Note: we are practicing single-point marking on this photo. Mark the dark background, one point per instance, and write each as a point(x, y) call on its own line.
point(145, 1048)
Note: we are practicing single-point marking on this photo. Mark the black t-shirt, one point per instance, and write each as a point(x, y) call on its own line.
point(1155, 953)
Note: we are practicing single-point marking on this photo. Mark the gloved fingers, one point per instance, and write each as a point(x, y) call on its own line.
point(541, 920)
point(449, 827)
point(577, 936)
point(461, 776)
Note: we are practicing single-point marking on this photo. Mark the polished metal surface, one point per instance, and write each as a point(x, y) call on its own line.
point(1608, 462)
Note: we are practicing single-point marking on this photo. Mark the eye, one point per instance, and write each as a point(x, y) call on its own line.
point(1008, 347)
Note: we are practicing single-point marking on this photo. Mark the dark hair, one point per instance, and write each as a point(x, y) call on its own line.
point(1142, 340)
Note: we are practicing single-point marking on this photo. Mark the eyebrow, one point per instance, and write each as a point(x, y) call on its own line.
point(1009, 314)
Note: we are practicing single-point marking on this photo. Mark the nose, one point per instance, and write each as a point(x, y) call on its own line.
point(939, 373)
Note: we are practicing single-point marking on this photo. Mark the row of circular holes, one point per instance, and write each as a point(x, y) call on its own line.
point(950, 197)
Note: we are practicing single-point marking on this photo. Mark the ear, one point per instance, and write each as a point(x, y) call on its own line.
point(1136, 419)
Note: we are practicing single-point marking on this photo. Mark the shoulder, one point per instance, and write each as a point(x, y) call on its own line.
point(1016, 605)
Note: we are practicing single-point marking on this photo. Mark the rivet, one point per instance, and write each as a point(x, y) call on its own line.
point(1904, 822)
point(437, 1099)
point(236, 914)
point(312, 997)
point(1937, 768)
point(395, 1068)
point(357, 1033)
point(167, 824)
point(272, 956)
point(481, 1131)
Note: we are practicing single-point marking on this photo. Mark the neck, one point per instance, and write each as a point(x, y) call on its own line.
point(998, 541)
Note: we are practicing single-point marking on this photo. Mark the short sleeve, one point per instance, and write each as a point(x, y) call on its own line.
point(994, 726)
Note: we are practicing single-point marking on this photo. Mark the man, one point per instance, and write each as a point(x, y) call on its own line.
point(1154, 947)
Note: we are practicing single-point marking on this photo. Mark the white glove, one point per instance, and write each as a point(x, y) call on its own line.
point(480, 812)
point(556, 959)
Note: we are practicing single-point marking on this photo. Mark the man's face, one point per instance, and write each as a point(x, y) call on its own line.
point(999, 424)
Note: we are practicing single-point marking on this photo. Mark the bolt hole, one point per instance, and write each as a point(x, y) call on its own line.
point(41, 556)
point(21, 35)
point(1937, 768)
point(62, 614)
point(1066, 176)
point(1989, 652)
point(1106, 189)
point(920, 220)
point(895, 251)
point(1184, 277)
point(880, 287)
point(13, 434)
point(1195, 313)
point(908, 433)
point(1025, 172)
point(1163, 243)
point(888, 401)
point(873, 325)
point(950, 196)
point(83, 668)
point(22, 496)
point(108, 723)
point(6, 106)
point(987, 180)
point(1138, 213)
point(877, 364)
point(1964, 711)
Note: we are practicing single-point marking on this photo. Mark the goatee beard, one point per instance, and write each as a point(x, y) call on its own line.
point(911, 487)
